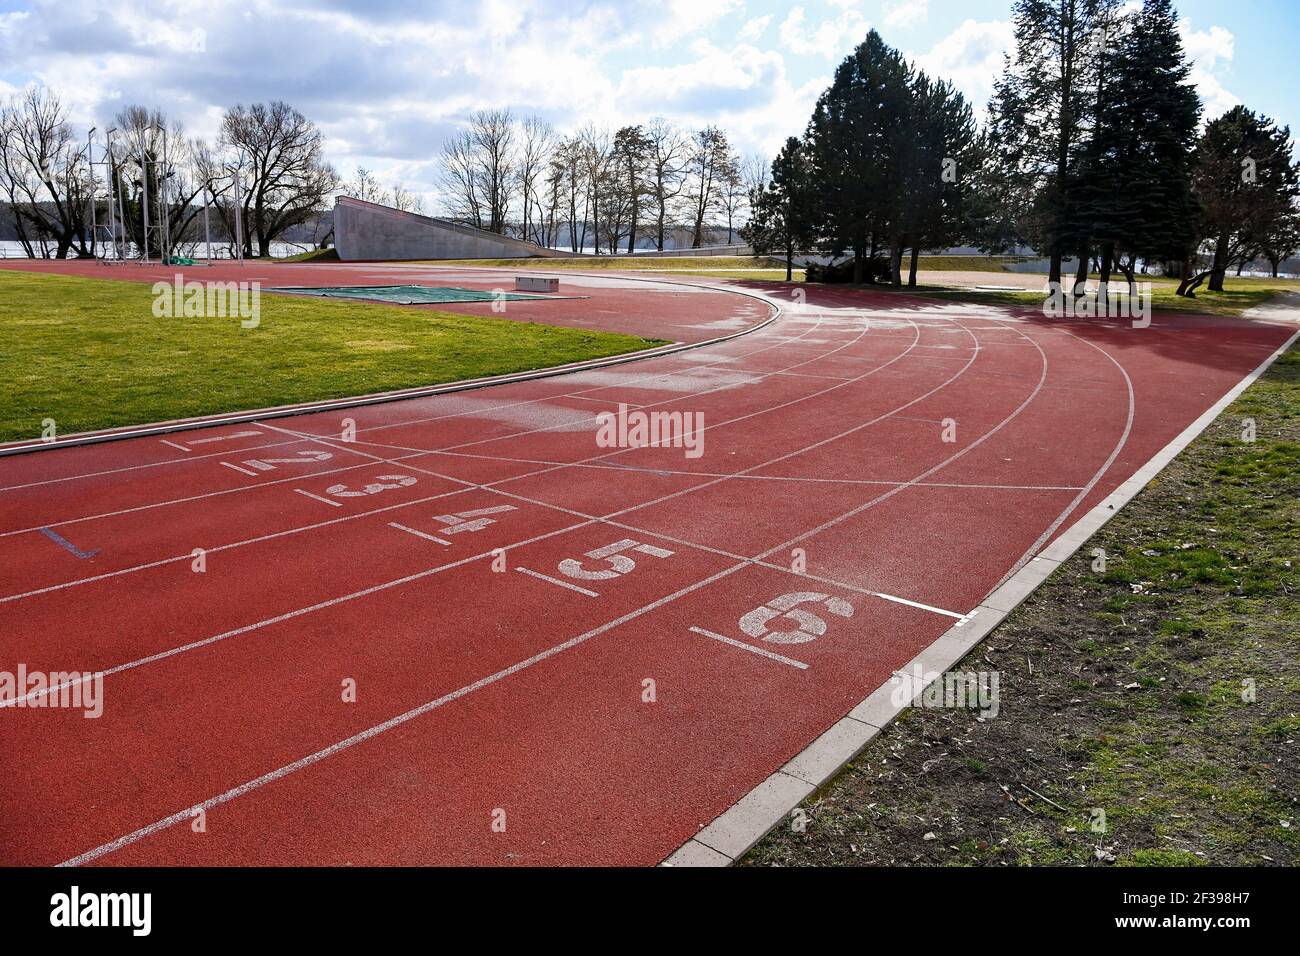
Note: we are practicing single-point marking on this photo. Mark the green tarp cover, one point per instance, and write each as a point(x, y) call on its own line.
point(408, 294)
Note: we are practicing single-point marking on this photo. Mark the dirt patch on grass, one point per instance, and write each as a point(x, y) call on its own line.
point(1149, 705)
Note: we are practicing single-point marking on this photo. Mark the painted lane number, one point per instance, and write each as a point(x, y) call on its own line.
point(382, 483)
point(810, 626)
point(303, 458)
point(475, 520)
point(614, 555)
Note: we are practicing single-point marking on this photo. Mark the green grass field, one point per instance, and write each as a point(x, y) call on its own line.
point(311, 255)
point(1238, 295)
point(89, 353)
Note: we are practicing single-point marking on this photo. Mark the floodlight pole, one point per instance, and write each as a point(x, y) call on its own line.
point(239, 209)
point(207, 229)
point(144, 196)
point(90, 165)
point(164, 213)
point(119, 236)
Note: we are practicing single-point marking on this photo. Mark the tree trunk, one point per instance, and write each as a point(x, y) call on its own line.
point(911, 274)
point(1107, 262)
point(896, 264)
point(789, 262)
point(1081, 273)
point(1054, 268)
point(1220, 265)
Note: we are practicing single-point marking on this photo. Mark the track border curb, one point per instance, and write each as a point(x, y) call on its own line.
point(735, 831)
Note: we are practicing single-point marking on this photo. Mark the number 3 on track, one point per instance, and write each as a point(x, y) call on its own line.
point(382, 483)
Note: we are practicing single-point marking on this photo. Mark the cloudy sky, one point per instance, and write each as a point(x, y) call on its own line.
point(387, 80)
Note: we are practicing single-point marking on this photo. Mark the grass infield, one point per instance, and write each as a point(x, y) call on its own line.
point(89, 353)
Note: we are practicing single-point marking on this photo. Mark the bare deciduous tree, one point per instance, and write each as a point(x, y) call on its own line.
point(710, 156)
point(289, 180)
point(479, 170)
point(44, 175)
point(536, 146)
point(366, 187)
point(666, 158)
point(407, 201)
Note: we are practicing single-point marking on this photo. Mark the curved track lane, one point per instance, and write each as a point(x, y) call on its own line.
point(875, 464)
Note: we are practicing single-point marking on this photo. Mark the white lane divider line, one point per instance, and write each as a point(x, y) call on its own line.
point(174, 445)
point(751, 648)
point(418, 534)
point(918, 604)
point(563, 584)
point(336, 504)
point(230, 437)
point(242, 471)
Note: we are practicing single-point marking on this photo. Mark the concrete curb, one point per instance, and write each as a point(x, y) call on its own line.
point(749, 819)
point(306, 408)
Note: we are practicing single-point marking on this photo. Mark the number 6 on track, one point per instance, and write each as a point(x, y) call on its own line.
point(810, 626)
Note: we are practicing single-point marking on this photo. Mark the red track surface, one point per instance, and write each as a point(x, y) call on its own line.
point(480, 690)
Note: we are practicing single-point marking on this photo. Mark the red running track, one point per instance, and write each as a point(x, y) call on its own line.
point(500, 668)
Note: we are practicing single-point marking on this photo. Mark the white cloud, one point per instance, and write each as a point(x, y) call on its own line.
point(388, 81)
point(971, 57)
point(1207, 46)
point(755, 28)
point(907, 13)
point(1210, 52)
point(682, 18)
point(831, 38)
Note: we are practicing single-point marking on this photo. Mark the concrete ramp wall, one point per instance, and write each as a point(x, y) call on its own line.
point(367, 230)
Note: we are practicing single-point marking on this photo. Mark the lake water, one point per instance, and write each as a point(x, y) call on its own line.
point(12, 249)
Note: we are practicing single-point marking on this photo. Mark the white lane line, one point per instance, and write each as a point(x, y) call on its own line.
point(292, 531)
point(1086, 489)
point(751, 648)
point(255, 783)
point(250, 433)
point(191, 498)
point(126, 468)
point(290, 615)
point(245, 471)
point(418, 534)
point(336, 504)
point(925, 474)
point(563, 584)
point(323, 439)
point(607, 520)
point(259, 539)
point(467, 414)
point(173, 444)
point(231, 794)
point(470, 414)
point(916, 604)
point(741, 563)
point(598, 466)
